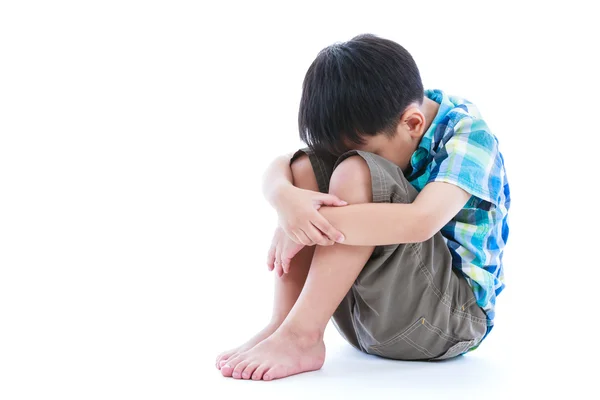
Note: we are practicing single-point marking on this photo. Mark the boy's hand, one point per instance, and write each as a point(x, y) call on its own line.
point(282, 250)
point(300, 219)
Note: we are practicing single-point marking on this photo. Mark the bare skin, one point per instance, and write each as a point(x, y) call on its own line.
point(318, 278)
point(287, 290)
point(287, 286)
point(297, 345)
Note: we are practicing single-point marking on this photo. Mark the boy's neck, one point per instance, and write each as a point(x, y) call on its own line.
point(430, 109)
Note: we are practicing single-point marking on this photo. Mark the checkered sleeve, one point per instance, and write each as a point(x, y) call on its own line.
point(470, 160)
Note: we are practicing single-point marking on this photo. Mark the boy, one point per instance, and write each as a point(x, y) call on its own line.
point(392, 221)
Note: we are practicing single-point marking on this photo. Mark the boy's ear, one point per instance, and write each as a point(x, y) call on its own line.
point(413, 121)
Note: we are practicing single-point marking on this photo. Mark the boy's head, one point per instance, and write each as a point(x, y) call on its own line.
point(356, 94)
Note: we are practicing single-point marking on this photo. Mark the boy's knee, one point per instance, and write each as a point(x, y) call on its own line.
point(303, 173)
point(351, 181)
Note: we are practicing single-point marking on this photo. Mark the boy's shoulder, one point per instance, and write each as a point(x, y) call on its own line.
point(465, 152)
point(458, 116)
point(455, 108)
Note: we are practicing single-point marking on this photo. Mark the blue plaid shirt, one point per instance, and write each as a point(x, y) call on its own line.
point(458, 148)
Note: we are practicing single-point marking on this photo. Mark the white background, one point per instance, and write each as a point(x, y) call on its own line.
point(133, 233)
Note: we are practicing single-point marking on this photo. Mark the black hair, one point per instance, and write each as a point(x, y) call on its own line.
point(355, 89)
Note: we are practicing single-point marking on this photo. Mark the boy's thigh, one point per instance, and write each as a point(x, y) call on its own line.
point(408, 303)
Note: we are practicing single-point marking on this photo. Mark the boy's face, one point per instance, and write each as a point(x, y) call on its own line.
point(399, 147)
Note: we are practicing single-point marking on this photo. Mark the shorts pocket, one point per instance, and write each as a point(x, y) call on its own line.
point(421, 341)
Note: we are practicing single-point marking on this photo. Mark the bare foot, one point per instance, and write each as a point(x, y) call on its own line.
point(259, 337)
point(282, 354)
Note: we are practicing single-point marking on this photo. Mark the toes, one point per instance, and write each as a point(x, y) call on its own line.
point(274, 372)
point(259, 371)
point(219, 357)
point(226, 370)
point(250, 370)
point(228, 366)
point(237, 371)
point(267, 376)
point(222, 359)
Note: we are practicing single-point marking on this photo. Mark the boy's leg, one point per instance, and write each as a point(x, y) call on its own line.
point(297, 345)
point(289, 286)
point(409, 302)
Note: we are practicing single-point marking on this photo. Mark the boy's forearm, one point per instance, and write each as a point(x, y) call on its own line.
point(375, 224)
point(277, 175)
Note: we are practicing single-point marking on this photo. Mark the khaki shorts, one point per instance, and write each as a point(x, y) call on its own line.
point(408, 303)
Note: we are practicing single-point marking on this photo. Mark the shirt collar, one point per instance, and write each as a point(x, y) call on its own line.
point(437, 95)
point(427, 143)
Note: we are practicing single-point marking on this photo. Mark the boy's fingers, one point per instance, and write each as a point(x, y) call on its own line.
point(277, 262)
point(281, 258)
point(271, 257)
point(328, 242)
point(303, 238)
point(324, 226)
point(331, 200)
point(292, 236)
point(285, 263)
point(315, 235)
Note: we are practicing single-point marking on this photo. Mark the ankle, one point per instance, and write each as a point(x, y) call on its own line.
point(275, 322)
point(303, 336)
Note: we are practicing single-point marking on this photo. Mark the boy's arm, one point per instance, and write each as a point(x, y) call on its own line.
point(375, 224)
point(297, 208)
point(277, 176)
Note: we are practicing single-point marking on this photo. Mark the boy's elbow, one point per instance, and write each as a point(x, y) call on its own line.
point(422, 234)
point(424, 227)
point(427, 234)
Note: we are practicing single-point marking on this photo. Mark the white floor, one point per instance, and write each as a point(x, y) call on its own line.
point(350, 374)
point(490, 372)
